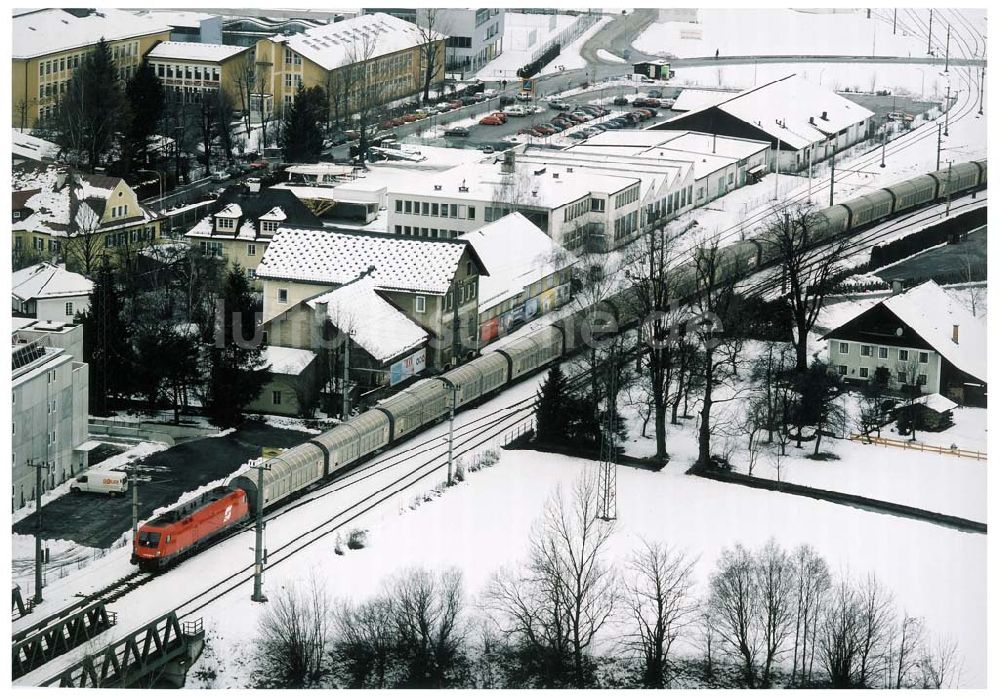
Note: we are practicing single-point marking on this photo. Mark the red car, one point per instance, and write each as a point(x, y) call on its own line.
point(183, 529)
point(490, 121)
point(410, 118)
point(261, 164)
point(500, 115)
point(397, 122)
point(545, 130)
point(527, 131)
point(457, 104)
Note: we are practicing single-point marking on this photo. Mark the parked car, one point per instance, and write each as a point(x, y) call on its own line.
point(410, 118)
point(528, 130)
point(898, 116)
point(468, 101)
point(557, 127)
point(523, 96)
point(488, 149)
point(579, 117)
point(655, 103)
point(613, 124)
point(259, 165)
point(500, 115)
point(352, 134)
point(490, 93)
point(505, 100)
point(620, 101)
point(490, 121)
point(515, 110)
point(654, 93)
point(559, 105)
point(220, 175)
point(110, 482)
point(456, 104)
point(579, 135)
point(545, 129)
point(458, 131)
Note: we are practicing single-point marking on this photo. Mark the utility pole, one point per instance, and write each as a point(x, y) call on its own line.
point(607, 483)
point(930, 25)
point(810, 189)
point(38, 526)
point(833, 161)
point(451, 426)
point(947, 109)
point(884, 128)
point(777, 166)
point(345, 406)
point(894, 22)
point(135, 498)
point(947, 48)
point(937, 166)
point(982, 87)
point(260, 555)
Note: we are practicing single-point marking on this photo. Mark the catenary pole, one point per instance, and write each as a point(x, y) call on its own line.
point(259, 555)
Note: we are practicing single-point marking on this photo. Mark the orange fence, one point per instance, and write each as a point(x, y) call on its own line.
point(920, 447)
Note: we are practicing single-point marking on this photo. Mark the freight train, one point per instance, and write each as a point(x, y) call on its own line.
point(184, 529)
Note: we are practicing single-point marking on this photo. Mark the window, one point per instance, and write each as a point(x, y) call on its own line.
point(52, 375)
point(419, 304)
point(282, 296)
point(472, 213)
point(288, 80)
point(904, 355)
point(923, 357)
point(842, 369)
point(863, 372)
point(424, 208)
point(409, 207)
point(269, 226)
point(921, 379)
point(883, 353)
point(399, 206)
point(225, 223)
point(866, 351)
point(69, 309)
point(434, 209)
point(252, 274)
point(276, 398)
point(901, 377)
point(845, 347)
point(251, 249)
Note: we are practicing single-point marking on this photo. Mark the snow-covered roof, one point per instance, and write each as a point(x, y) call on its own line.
point(936, 402)
point(48, 31)
point(275, 213)
point(696, 99)
point(178, 18)
point(30, 147)
point(45, 281)
point(340, 43)
point(339, 257)
point(380, 328)
point(189, 50)
point(286, 361)
point(932, 313)
point(231, 210)
point(516, 253)
point(783, 109)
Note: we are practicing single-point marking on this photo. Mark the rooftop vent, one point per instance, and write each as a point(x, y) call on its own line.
point(555, 175)
point(824, 117)
point(437, 187)
point(569, 170)
point(812, 121)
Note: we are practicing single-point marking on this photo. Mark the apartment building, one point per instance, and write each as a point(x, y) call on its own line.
point(48, 413)
point(361, 62)
point(189, 70)
point(49, 45)
point(475, 36)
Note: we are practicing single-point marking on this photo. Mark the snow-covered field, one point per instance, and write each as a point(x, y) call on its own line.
point(773, 31)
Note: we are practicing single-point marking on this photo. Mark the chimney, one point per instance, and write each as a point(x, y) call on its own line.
point(508, 162)
point(60, 179)
point(954, 333)
point(824, 117)
point(555, 175)
point(897, 286)
point(812, 121)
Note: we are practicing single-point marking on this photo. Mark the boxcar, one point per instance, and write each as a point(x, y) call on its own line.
point(912, 192)
point(481, 376)
point(962, 177)
point(421, 403)
point(533, 351)
point(869, 208)
point(830, 222)
point(352, 440)
point(291, 471)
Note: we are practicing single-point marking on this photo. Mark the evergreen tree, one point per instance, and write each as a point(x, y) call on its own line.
point(301, 131)
point(91, 111)
point(106, 346)
point(166, 365)
point(144, 93)
point(237, 370)
point(551, 409)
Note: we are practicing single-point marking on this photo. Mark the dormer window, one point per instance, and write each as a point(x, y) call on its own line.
point(269, 226)
point(225, 224)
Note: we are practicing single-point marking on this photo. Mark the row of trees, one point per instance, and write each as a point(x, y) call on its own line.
point(568, 616)
point(185, 337)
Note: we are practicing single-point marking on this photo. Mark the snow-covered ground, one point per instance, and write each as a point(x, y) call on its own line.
point(523, 35)
point(774, 32)
point(609, 57)
point(569, 57)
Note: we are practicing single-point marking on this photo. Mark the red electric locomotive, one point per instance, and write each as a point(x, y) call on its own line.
point(181, 530)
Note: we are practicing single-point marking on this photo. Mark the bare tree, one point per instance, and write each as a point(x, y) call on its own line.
point(430, 30)
point(708, 638)
point(812, 581)
point(902, 658)
point(293, 634)
point(839, 635)
point(940, 665)
point(565, 594)
point(365, 91)
point(659, 601)
point(84, 245)
point(429, 634)
point(807, 272)
point(247, 84)
point(877, 616)
point(734, 601)
point(775, 580)
point(365, 641)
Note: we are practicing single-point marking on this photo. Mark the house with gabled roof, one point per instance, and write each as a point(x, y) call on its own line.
point(78, 218)
point(50, 293)
point(922, 336)
point(433, 283)
point(244, 220)
point(801, 120)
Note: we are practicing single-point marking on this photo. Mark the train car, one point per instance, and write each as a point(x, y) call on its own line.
point(737, 259)
point(350, 441)
point(484, 375)
point(288, 473)
point(830, 222)
point(424, 402)
point(912, 192)
point(534, 350)
point(869, 208)
point(962, 177)
point(981, 164)
point(181, 530)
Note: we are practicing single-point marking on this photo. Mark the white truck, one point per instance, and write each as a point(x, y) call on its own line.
point(110, 482)
point(516, 110)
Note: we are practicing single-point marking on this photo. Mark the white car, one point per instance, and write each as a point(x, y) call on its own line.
point(220, 175)
point(523, 96)
point(490, 93)
point(110, 482)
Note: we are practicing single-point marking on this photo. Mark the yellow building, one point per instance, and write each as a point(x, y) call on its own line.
point(190, 70)
point(78, 218)
point(50, 44)
point(361, 62)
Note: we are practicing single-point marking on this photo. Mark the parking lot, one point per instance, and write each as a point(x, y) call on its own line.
point(98, 521)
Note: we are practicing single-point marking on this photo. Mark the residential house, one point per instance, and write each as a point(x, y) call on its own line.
point(801, 121)
point(26, 147)
point(50, 293)
point(49, 45)
point(79, 218)
point(245, 219)
point(920, 337)
point(293, 385)
point(435, 283)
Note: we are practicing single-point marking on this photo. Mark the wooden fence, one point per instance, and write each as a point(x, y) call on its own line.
point(918, 446)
